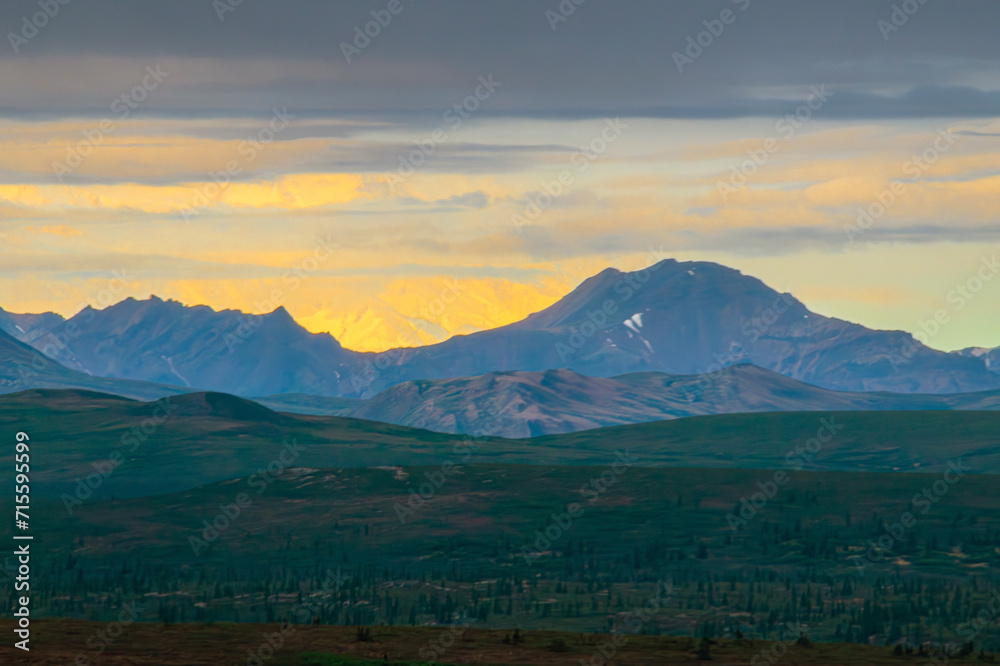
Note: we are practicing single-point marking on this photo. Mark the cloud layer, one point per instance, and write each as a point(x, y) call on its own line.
point(517, 146)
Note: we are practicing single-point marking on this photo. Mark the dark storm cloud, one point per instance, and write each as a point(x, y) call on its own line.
point(606, 58)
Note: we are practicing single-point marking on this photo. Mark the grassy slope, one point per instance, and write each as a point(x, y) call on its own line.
point(212, 437)
point(483, 514)
point(872, 441)
point(480, 506)
point(650, 525)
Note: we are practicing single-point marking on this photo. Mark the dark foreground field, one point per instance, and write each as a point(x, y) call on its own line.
point(65, 642)
point(761, 526)
point(329, 545)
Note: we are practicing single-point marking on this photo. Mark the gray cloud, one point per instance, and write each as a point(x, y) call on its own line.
point(763, 241)
point(607, 58)
point(560, 241)
point(354, 156)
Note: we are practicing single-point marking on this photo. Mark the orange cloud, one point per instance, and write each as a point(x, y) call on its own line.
point(61, 230)
point(290, 192)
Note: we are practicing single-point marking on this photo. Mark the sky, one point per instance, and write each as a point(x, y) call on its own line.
point(399, 171)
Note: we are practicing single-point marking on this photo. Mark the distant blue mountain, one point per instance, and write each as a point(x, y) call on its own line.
point(674, 317)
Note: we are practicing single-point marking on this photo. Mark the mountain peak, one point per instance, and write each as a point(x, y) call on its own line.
point(664, 263)
point(222, 405)
point(990, 356)
point(280, 313)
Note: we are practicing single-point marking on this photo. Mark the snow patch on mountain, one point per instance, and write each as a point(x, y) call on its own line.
point(634, 322)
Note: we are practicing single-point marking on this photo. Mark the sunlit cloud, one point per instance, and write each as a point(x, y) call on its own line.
point(150, 200)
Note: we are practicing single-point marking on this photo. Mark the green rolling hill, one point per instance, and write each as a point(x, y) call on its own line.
point(195, 439)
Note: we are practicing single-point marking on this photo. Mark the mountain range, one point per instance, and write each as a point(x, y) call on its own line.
point(23, 367)
point(166, 342)
point(622, 347)
point(523, 404)
point(529, 404)
point(990, 357)
point(692, 318)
